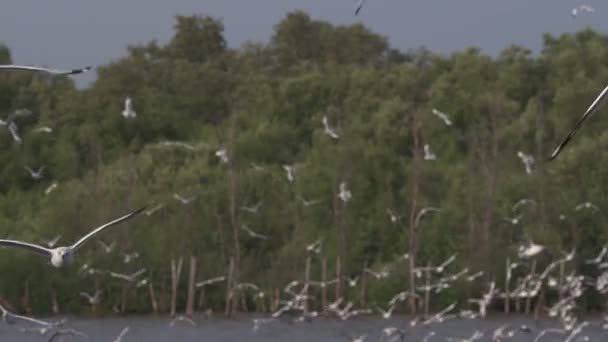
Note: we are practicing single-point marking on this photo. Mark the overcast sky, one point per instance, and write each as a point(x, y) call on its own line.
point(73, 33)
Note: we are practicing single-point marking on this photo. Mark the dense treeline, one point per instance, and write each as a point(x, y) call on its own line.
point(264, 104)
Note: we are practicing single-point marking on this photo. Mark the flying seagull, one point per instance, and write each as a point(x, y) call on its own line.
point(528, 161)
point(594, 106)
point(222, 153)
point(291, 172)
point(51, 188)
point(359, 7)
point(128, 112)
point(345, 195)
point(182, 199)
point(35, 174)
point(47, 70)
point(63, 256)
point(328, 129)
point(581, 9)
point(428, 154)
point(443, 116)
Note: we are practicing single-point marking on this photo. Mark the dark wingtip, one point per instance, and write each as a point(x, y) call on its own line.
point(138, 211)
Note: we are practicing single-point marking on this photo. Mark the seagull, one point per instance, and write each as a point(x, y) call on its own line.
point(210, 281)
point(528, 161)
point(345, 195)
point(522, 202)
point(17, 114)
point(581, 9)
point(122, 334)
point(514, 220)
point(428, 154)
point(154, 209)
point(35, 174)
point(586, 205)
point(12, 128)
point(46, 70)
point(594, 106)
point(128, 112)
point(315, 247)
point(529, 249)
point(423, 212)
point(51, 188)
point(359, 6)
point(94, 299)
point(53, 242)
point(107, 248)
point(442, 116)
point(394, 217)
point(323, 284)
point(598, 260)
point(291, 172)
point(222, 153)
point(254, 234)
point(180, 144)
point(128, 277)
point(352, 282)
point(386, 314)
point(184, 200)
point(63, 256)
point(254, 209)
point(329, 130)
point(128, 257)
point(10, 317)
point(182, 319)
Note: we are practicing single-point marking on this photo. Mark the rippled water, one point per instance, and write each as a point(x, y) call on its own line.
point(157, 329)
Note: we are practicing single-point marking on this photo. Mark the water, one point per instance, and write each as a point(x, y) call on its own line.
point(145, 329)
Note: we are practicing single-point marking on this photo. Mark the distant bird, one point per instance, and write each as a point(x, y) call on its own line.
point(386, 314)
point(291, 172)
point(182, 319)
point(345, 195)
point(522, 202)
point(323, 284)
point(257, 167)
point(35, 174)
point(428, 154)
point(184, 200)
point(154, 209)
point(128, 257)
point(442, 116)
point(63, 256)
point(598, 260)
point(527, 160)
point(122, 334)
point(581, 9)
point(11, 124)
point(254, 234)
point(423, 212)
point(308, 203)
point(10, 317)
point(253, 209)
point(128, 112)
point(13, 129)
point(43, 129)
point(328, 129)
point(394, 217)
point(514, 220)
point(594, 106)
point(53, 242)
point(128, 277)
point(586, 205)
point(222, 153)
point(45, 70)
point(359, 7)
point(50, 188)
point(529, 250)
point(107, 248)
point(352, 282)
point(315, 247)
point(179, 144)
point(92, 299)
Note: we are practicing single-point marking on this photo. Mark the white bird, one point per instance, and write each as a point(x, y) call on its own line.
point(586, 205)
point(46, 70)
point(423, 212)
point(428, 154)
point(122, 334)
point(323, 284)
point(179, 144)
point(128, 277)
point(328, 129)
point(529, 250)
point(522, 202)
point(581, 9)
point(598, 260)
point(51, 243)
point(36, 174)
point(94, 299)
point(141, 283)
point(359, 7)
point(13, 129)
point(528, 161)
point(107, 248)
point(182, 319)
point(210, 281)
point(254, 234)
point(345, 195)
point(394, 217)
point(291, 172)
point(128, 112)
point(442, 116)
point(254, 209)
point(594, 106)
point(10, 317)
point(154, 209)
point(514, 220)
point(315, 247)
point(222, 153)
point(63, 256)
point(386, 314)
point(128, 257)
point(51, 188)
point(184, 200)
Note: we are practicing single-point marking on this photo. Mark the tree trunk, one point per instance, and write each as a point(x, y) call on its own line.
point(413, 210)
point(236, 260)
point(176, 270)
point(338, 274)
point(191, 289)
point(307, 283)
point(153, 300)
point(324, 289)
point(229, 287)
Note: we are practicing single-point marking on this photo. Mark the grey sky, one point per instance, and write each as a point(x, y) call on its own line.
point(73, 33)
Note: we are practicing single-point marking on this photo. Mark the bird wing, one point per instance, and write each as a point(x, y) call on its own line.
point(47, 70)
point(25, 245)
point(594, 106)
point(80, 242)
